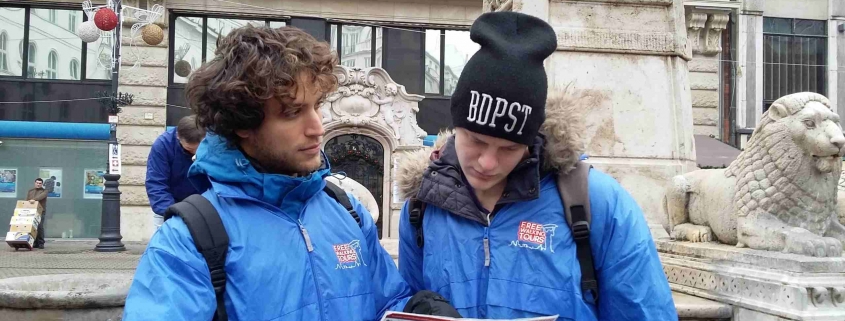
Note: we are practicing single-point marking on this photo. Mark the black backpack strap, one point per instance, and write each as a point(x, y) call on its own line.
point(416, 211)
point(339, 195)
point(210, 238)
point(574, 191)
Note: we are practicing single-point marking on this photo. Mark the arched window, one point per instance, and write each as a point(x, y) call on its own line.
point(31, 60)
point(74, 69)
point(4, 65)
point(52, 62)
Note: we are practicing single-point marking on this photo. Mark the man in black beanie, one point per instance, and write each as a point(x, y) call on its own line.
point(485, 224)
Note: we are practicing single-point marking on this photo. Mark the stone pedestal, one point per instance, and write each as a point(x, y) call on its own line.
point(630, 56)
point(761, 285)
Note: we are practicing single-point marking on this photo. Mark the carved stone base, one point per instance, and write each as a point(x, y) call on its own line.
point(773, 284)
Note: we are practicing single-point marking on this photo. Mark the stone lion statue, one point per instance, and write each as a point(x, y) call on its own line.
point(778, 195)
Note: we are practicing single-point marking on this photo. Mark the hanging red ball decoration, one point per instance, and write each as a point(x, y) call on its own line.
point(105, 19)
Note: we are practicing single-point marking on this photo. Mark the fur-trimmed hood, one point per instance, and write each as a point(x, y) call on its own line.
point(564, 141)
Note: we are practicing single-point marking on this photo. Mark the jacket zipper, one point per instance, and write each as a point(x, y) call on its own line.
point(310, 249)
point(487, 242)
point(486, 267)
point(308, 245)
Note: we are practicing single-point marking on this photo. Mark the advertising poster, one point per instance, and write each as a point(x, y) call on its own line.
point(8, 182)
point(94, 183)
point(52, 181)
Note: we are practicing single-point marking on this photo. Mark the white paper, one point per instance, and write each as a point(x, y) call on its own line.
point(400, 316)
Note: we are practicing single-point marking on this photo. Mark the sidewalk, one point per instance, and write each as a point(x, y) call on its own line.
point(62, 256)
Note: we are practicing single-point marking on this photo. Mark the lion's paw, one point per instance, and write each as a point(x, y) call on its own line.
point(692, 233)
point(800, 241)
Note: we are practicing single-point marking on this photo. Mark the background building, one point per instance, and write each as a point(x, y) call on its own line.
point(745, 54)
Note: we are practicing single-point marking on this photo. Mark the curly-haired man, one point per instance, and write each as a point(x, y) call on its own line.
point(294, 252)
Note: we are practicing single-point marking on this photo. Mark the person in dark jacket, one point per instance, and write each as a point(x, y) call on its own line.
point(496, 242)
point(294, 253)
point(167, 166)
point(39, 194)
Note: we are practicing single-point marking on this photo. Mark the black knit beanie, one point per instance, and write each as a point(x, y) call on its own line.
point(502, 89)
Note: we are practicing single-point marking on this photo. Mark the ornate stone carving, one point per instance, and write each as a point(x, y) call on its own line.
point(776, 284)
point(695, 22)
point(713, 38)
point(780, 192)
point(370, 98)
point(498, 5)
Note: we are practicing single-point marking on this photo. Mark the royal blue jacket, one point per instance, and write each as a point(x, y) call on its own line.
point(340, 272)
point(167, 172)
point(531, 268)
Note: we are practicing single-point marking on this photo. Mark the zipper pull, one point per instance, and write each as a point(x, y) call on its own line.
point(306, 237)
point(486, 251)
point(487, 243)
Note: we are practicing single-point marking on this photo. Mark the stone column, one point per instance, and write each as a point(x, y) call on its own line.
point(631, 57)
point(139, 126)
point(704, 32)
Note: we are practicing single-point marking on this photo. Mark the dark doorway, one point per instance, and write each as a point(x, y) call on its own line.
point(362, 159)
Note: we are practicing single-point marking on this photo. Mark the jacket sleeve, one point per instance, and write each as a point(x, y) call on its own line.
point(390, 291)
point(158, 178)
point(40, 195)
point(632, 285)
point(410, 255)
point(171, 281)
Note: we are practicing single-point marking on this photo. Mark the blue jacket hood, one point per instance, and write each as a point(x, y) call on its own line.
point(232, 174)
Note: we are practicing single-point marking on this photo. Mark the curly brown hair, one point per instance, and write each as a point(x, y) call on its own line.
point(250, 66)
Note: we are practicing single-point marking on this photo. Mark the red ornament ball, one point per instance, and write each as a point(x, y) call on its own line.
point(105, 19)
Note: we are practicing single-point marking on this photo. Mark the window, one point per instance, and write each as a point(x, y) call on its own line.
point(4, 40)
point(31, 60)
point(74, 69)
point(52, 62)
point(432, 61)
point(71, 21)
point(219, 28)
point(359, 48)
point(190, 48)
point(446, 54)
point(794, 57)
point(54, 38)
point(11, 62)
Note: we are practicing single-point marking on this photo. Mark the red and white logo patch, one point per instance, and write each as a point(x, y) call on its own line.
point(345, 254)
point(348, 255)
point(531, 232)
point(535, 236)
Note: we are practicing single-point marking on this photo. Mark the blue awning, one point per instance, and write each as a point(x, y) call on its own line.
point(54, 130)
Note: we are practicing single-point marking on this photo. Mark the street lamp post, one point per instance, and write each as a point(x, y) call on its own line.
point(110, 224)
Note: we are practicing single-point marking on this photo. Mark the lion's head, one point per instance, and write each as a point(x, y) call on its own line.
point(790, 167)
point(811, 125)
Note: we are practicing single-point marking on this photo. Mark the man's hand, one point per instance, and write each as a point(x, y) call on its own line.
point(431, 303)
point(31, 201)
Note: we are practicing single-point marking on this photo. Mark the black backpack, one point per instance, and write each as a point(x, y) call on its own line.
point(212, 241)
point(573, 189)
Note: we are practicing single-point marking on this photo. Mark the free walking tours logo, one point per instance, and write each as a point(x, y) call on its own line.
point(535, 236)
point(348, 255)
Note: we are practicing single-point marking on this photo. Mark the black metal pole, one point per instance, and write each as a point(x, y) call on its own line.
point(110, 224)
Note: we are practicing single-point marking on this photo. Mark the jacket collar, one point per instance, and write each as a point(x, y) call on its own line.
point(231, 174)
